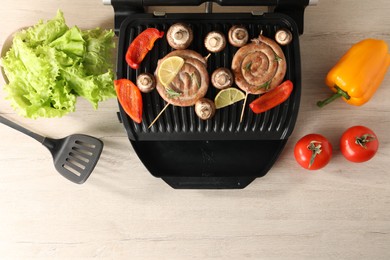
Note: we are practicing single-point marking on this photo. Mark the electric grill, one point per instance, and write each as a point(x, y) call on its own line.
point(222, 152)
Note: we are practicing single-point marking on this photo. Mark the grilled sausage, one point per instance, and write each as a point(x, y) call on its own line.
point(190, 84)
point(188, 54)
point(259, 66)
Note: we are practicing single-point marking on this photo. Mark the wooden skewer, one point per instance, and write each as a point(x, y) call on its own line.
point(243, 107)
point(159, 114)
point(207, 57)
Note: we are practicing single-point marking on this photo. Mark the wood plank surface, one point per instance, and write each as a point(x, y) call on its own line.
point(122, 212)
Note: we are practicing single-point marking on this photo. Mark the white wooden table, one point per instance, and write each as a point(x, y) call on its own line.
point(122, 212)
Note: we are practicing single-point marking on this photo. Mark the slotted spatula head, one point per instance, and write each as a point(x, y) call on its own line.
point(75, 156)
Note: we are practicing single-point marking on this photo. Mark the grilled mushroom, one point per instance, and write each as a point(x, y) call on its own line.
point(222, 78)
point(179, 36)
point(205, 108)
point(238, 36)
point(283, 36)
point(146, 82)
point(215, 41)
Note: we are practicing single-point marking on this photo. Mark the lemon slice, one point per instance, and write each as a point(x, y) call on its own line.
point(227, 97)
point(169, 69)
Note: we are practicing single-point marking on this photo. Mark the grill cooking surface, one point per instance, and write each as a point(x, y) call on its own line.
point(181, 123)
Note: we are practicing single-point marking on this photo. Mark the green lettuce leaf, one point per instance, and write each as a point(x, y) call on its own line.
point(71, 43)
point(44, 33)
point(49, 65)
point(99, 56)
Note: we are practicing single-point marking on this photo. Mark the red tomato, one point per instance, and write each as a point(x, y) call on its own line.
point(130, 98)
point(313, 151)
point(359, 144)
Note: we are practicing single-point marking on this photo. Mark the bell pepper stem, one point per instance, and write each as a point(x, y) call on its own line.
point(339, 93)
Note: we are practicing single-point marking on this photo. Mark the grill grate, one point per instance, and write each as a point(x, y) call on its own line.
point(181, 123)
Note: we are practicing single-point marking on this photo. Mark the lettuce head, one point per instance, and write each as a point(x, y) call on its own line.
point(49, 65)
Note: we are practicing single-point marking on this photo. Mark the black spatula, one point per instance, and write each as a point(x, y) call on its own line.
point(74, 156)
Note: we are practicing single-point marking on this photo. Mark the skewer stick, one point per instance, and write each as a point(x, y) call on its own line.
point(159, 114)
point(207, 57)
point(243, 107)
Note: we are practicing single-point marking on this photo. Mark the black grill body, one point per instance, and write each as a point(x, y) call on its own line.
point(222, 152)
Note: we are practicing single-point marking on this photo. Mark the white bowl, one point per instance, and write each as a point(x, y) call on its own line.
point(7, 44)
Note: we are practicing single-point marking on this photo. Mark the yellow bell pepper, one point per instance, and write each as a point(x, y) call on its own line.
point(359, 72)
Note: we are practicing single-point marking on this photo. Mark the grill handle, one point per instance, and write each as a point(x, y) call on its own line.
point(144, 3)
point(220, 2)
point(208, 183)
point(293, 8)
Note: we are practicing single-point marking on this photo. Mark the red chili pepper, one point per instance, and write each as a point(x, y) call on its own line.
point(272, 98)
point(141, 45)
point(130, 98)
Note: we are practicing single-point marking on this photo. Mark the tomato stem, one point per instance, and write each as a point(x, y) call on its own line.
point(364, 139)
point(315, 148)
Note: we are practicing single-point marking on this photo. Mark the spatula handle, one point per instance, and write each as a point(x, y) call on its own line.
point(15, 126)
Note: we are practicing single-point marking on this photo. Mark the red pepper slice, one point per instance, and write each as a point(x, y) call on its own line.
point(272, 98)
point(130, 98)
point(141, 45)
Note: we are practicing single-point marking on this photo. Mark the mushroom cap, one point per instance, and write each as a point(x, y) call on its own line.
point(283, 36)
point(146, 82)
point(215, 41)
point(222, 78)
point(205, 108)
point(179, 36)
point(238, 35)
